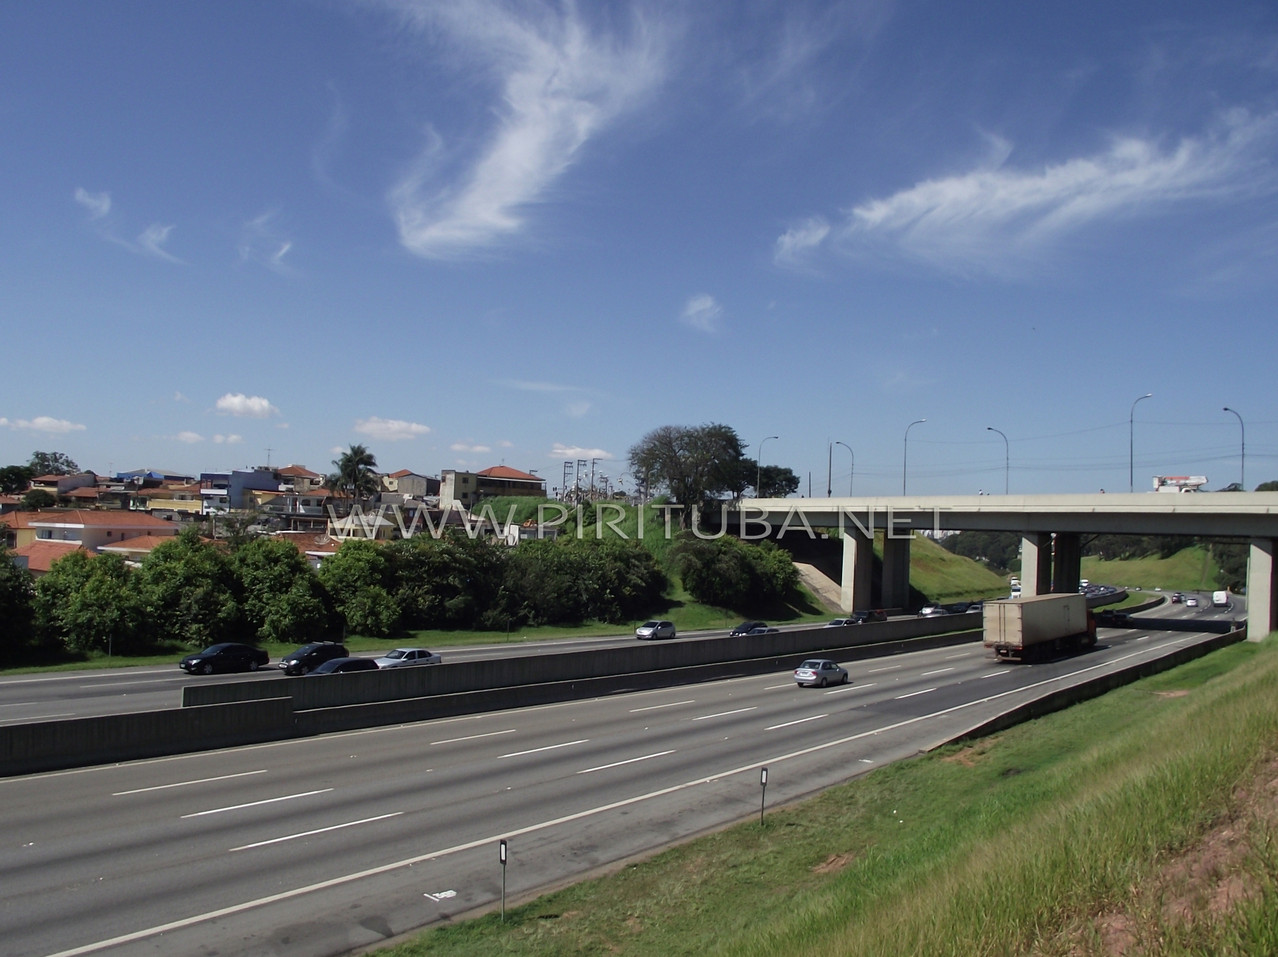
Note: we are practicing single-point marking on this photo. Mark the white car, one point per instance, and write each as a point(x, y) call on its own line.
point(820, 672)
point(655, 629)
point(404, 657)
point(1191, 601)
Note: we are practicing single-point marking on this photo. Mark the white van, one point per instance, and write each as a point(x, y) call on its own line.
point(1220, 599)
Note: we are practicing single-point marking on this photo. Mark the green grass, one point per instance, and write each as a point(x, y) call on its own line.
point(943, 576)
point(1024, 842)
point(1190, 569)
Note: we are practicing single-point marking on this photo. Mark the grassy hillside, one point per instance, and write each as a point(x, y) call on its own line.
point(1144, 822)
point(942, 576)
point(1190, 569)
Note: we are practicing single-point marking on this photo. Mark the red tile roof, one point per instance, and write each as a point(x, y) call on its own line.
point(112, 518)
point(141, 544)
point(506, 472)
point(40, 556)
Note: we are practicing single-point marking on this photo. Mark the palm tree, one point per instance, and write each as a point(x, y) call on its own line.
point(356, 473)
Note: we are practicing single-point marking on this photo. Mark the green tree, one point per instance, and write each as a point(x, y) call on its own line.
point(15, 479)
point(775, 481)
point(355, 473)
point(88, 603)
point(359, 578)
point(698, 464)
point(283, 599)
point(52, 463)
point(448, 582)
point(17, 609)
point(38, 498)
point(191, 592)
point(1270, 486)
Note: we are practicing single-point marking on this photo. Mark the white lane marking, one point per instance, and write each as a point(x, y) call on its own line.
point(441, 896)
point(182, 784)
point(40, 717)
point(549, 747)
point(617, 764)
point(875, 671)
point(788, 684)
point(847, 687)
point(238, 807)
point(473, 737)
point(962, 654)
point(815, 717)
point(928, 674)
point(657, 707)
point(724, 714)
point(318, 830)
point(995, 674)
point(18, 704)
point(491, 839)
point(913, 693)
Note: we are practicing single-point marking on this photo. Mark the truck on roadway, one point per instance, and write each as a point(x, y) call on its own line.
point(1039, 626)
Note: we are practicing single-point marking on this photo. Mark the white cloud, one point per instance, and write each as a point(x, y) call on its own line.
point(561, 451)
point(179, 397)
point(190, 438)
point(98, 204)
point(795, 243)
point(262, 242)
point(43, 423)
point(152, 242)
point(252, 406)
point(702, 313)
point(577, 409)
point(525, 386)
point(231, 439)
point(560, 85)
point(993, 216)
point(390, 430)
point(465, 447)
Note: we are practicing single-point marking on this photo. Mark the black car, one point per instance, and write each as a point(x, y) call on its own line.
point(746, 627)
point(226, 656)
point(868, 615)
point(341, 666)
point(309, 657)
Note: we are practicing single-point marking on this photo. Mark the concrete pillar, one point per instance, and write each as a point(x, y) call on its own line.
point(1067, 557)
point(896, 572)
point(1036, 564)
point(1260, 589)
point(858, 568)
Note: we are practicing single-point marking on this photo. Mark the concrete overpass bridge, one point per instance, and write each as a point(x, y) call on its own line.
point(1052, 528)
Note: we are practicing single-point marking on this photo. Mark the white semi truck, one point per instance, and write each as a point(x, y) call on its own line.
point(1039, 626)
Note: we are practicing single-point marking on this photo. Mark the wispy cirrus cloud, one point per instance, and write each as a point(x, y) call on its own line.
point(248, 406)
point(997, 217)
point(390, 430)
point(98, 204)
point(262, 242)
point(151, 242)
point(702, 312)
point(559, 83)
point(43, 423)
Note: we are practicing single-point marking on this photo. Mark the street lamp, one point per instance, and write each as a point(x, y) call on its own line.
point(1006, 456)
point(853, 468)
point(1131, 444)
point(758, 470)
point(905, 457)
point(1243, 476)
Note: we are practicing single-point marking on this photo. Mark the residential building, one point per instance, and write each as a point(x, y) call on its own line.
point(469, 488)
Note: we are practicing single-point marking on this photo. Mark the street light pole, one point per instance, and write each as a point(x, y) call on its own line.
point(1131, 444)
point(853, 468)
point(905, 457)
point(1006, 456)
point(758, 465)
point(1243, 476)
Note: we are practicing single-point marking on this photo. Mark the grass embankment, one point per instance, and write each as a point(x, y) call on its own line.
point(1190, 569)
point(944, 577)
point(1144, 821)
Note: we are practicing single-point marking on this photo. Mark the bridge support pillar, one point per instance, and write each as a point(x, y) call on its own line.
point(896, 571)
point(858, 568)
point(1036, 563)
point(1067, 557)
point(1261, 590)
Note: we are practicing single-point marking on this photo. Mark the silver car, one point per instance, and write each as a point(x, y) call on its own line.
point(655, 629)
point(404, 657)
point(820, 672)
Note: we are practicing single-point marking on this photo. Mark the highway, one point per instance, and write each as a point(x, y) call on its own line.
point(325, 845)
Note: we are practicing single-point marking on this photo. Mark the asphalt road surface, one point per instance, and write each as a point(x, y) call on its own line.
point(325, 845)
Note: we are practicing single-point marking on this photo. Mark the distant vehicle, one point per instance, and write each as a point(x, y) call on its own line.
point(1220, 599)
point(820, 672)
point(406, 657)
point(1177, 597)
point(309, 657)
point(1043, 624)
point(1082, 584)
point(838, 623)
point(868, 615)
point(932, 611)
point(226, 656)
point(342, 666)
point(764, 631)
point(975, 606)
point(746, 627)
point(655, 629)
point(1191, 601)
point(1179, 483)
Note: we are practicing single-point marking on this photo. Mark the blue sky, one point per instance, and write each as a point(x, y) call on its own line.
point(472, 232)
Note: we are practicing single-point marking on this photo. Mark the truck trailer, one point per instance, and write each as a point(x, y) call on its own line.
point(1040, 626)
